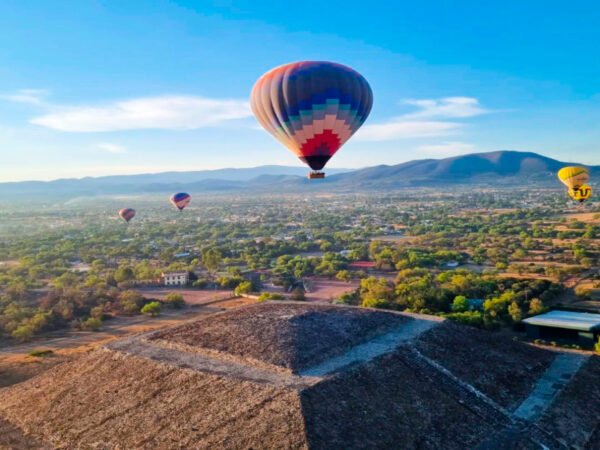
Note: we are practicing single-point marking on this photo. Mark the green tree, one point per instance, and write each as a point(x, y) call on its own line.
point(211, 258)
point(124, 273)
point(460, 304)
point(374, 289)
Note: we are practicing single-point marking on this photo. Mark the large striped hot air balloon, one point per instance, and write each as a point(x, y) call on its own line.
point(127, 214)
point(573, 176)
point(312, 107)
point(180, 200)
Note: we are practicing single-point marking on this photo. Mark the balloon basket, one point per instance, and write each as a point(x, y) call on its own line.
point(316, 175)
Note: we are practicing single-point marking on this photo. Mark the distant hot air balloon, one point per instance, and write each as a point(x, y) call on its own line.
point(181, 200)
point(573, 176)
point(581, 193)
point(127, 214)
point(312, 107)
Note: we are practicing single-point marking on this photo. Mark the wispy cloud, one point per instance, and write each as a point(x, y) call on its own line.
point(111, 148)
point(447, 148)
point(165, 112)
point(434, 118)
point(29, 96)
point(448, 108)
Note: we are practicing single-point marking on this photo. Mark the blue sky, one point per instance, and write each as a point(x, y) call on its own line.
point(92, 88)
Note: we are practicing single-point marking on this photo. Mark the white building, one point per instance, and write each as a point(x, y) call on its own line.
point(176, 278)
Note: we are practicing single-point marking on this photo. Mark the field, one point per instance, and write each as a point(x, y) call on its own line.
point(325, 290)
point(191, 296)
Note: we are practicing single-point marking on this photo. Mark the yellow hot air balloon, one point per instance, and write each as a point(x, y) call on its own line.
point(573, 176)
point(581, 193)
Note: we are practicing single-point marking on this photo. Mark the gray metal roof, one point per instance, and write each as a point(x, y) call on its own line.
point(566, 319)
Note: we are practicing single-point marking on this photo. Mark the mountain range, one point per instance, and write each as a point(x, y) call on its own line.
point(501, 167)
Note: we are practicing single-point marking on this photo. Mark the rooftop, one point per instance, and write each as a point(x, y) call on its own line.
point(566, 319)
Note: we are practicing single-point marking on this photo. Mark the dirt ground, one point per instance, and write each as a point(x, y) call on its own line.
point(326, 290)
point(191, 296)
point(395, 238)
point(587, 217)
point(525, 276)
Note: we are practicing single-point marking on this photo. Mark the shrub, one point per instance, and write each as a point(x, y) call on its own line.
point(536, 306)
point(174, 300)
point(245, 287)
point(40, 353)
point(344, 275)
point(270, 296)
point(200, 283)
point(131, 301)
point(23, 333)
point(473, 318)
point(152, 309)
point(298, 294)
point(376, 303)
point(91, 324)
point(348, 298)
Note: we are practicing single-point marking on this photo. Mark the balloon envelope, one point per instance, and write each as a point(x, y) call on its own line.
point(181, 200)
point(573, 176)
point(312, 107)
point(581, 193)
point(127, 214)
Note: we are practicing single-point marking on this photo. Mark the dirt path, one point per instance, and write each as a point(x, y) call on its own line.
point(556, 377)
point(524, 418)
point(139, 347)
point(372, 349)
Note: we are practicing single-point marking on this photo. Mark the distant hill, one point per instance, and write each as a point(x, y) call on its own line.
point(501, 167)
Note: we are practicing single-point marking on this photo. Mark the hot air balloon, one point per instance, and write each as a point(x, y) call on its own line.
point(127, 214)
point(312, 107)
point(581, 193)
point(180, 200)
point(573, 176)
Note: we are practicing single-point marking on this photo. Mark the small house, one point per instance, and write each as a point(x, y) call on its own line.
point(181, 278)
